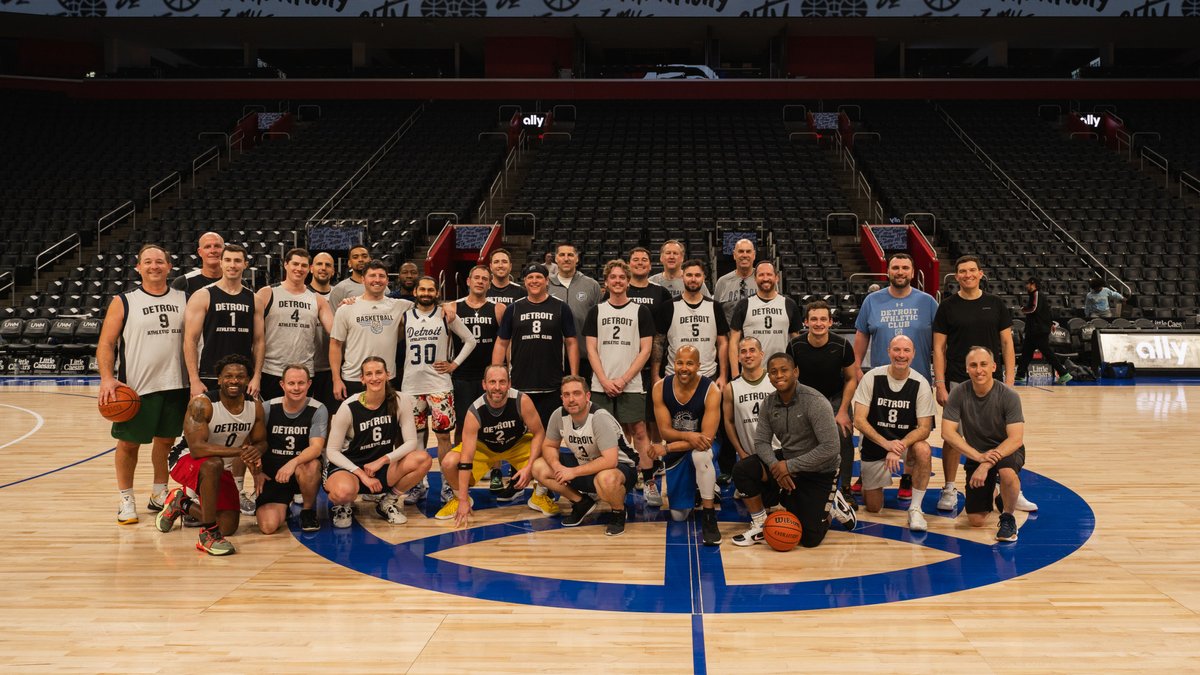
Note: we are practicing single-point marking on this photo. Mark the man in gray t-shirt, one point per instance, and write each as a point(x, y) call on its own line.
point(984, 421)
point(351, 286)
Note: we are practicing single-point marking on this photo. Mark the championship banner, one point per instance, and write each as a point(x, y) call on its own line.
point(711, 9)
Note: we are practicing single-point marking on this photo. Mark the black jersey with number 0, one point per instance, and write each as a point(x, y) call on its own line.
point(483, 325)
point(228, 327)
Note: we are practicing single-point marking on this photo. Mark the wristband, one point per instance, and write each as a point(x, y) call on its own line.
point(465, 466)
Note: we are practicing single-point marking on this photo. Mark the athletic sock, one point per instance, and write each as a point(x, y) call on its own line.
point(758, 518)
point(918, 496)
point(540, 490)
point(240, 483)
point(949, 486)
point(127, 494)
point(158, 488)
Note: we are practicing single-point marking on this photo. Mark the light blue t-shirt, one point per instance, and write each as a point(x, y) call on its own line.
point(883, 317)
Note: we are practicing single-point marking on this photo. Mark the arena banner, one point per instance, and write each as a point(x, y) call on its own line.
point(605, 8)
point(1151, 350)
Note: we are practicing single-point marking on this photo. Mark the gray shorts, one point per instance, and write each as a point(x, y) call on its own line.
point(875, 475)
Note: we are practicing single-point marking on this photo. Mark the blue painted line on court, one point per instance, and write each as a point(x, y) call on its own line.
point(699, 658)
point(61, 468)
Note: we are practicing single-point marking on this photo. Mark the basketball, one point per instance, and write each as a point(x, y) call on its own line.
point(124, 405)
point(782, 531)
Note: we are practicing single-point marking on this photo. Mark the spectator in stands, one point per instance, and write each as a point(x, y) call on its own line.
point(548, 261)
point(671, 255)
point(738, 284)
point(407, 282)
point(1037, 333)
point(209, 249)
point(1098, 304)
point(578, 290)
point(351, 286)
point(502, 290)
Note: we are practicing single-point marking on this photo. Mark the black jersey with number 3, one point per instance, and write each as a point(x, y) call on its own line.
point(228, 327)
point(287, 436)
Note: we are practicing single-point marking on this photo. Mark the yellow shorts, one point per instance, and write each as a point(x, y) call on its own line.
point(486, 460)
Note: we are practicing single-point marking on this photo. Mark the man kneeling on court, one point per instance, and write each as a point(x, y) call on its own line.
point(894, 409)
point(802, 474)
point(220, 425)
point(500, 426)
point(983, 419)
point(687, 407)
point(600, 461)
point(296, 429)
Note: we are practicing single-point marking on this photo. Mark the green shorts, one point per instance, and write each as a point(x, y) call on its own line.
point(161, 416)
point(628, 408)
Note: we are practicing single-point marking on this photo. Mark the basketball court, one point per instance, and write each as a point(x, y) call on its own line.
point(1103, 577)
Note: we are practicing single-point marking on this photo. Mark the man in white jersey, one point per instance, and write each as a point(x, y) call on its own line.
point(141, 346)
point(894, 409)
point(292, 315)
point(738, 284)
point(427, 364)
point(351, 286)
point(370, 326)
point(209, 248)
point(600, 461)
point(619, 335)
point(741, 400)
point(772, 318)
point(221, 425)
point(322, 381)
point(671, 255)
point(699, 322)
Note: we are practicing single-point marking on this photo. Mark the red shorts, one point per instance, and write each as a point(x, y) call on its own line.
point(187, 470)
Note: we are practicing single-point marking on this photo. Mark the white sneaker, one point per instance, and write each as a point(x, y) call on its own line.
point(389, 509)
point(127, 512)
point(298, 498)
point(652, 495)
point(417, 493)
point(842, 512)
point(1024, 504)
point(916, 521)
point(342, 515)
point(247, 504)
point(447, 492)
point(753, 535)
point(949, 499)
point(372, 497)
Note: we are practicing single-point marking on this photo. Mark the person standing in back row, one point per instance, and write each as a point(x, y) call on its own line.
point(772, 318)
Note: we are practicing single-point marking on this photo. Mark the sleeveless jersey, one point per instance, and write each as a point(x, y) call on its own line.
point(287, 437)
point(537, 344)
point(768, 321)
point(150, 351)
point(374, 433)
point(695, 326)
point(581, 440)
point(618, 339)
point(426, 340)
point(747, 397)
point(483, 325)
point(321, 342)
point(684, 416)
point(505, 296)
point(228, 327)
point(193, 281)
point(892, 414)
point(499, 429)
point(228, 429)
point(290, 329)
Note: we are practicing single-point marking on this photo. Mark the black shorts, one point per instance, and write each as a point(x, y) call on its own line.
point(587, 484)
point(466, 390)
point(979, 500)
point(384, 488)
point(274, 492)
point(322, 390)
point(546, 402)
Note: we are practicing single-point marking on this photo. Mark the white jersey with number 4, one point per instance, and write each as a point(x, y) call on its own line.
point(747, 397)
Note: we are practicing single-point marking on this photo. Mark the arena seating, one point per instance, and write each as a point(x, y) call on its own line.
point(1143, 233)
point(920, 166)
point(1174, 121)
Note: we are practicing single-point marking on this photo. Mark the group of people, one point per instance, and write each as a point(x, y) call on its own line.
point(589, 389)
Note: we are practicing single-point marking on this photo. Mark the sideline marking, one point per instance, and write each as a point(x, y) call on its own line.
point(40, 422)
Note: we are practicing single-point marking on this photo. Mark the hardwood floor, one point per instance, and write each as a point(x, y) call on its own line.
point(82, 594)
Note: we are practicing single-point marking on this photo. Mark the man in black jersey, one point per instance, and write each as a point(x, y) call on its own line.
point(296, 429)
point(538, 330)
point(210, 248)
point(482, 318)
point(501, 289)
point(323, 268)
point(500, 426)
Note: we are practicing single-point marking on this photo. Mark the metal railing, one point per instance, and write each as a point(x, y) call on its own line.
point(357, 177)
point(203, 159)
point(109, 220)
point(161, 188)
point(829, 217)
point(810, 134)
point(10, 286)
point(314, 106)
point(847, 106)
point(1155, 159)
point(271, 134)
point(250, 109)
point(564, 106)
point(1050, 106)
point(868, 134)
point(1087, 134)
point(1187, 180)
point(52, 254)
point(803, 112)
point(236, 138)
point(431, 214)
point(556, 134)
point(905, 219)
point(224, 137)
point(507, 106)
point(504, 222)
point(1033, 207)
point(1125, 140)
point(926, 240)
point(500, 182)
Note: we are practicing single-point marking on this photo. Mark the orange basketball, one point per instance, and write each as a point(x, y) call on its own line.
point(124, 405)
point(782, 531)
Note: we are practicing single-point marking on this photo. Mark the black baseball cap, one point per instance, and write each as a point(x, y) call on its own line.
point(535, 268)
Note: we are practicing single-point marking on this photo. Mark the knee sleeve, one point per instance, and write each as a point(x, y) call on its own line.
point(680, 515)
point(706, 473)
